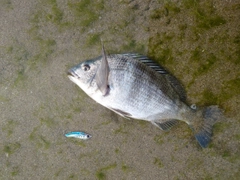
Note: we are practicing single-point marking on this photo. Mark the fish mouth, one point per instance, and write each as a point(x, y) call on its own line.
point(71, 74)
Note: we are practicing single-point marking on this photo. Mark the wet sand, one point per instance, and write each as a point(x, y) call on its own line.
point(198, 42)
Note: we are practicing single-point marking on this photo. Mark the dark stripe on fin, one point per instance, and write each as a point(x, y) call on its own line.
point(176, 85)
point(150, 63)
point(165, 126)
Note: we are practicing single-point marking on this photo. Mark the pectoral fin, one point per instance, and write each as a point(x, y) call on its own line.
point(102, 74)
point(166, 124)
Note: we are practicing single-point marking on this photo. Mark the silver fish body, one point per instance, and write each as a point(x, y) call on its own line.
point(134, 86)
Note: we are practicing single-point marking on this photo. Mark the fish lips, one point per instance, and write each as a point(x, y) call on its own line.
point(72, 74)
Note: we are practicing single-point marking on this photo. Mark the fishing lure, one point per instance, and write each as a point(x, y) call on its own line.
point(79, 135)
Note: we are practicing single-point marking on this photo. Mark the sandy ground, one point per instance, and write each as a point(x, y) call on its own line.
point(198, 41)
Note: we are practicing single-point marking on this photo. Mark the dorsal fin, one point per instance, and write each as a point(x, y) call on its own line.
point(149, 62)
point(177, 86)
point(102, 74)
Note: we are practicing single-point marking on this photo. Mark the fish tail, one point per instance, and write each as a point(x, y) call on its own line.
point(210, 116)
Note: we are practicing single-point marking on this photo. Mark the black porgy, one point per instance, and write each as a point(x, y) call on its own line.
point(134, 86)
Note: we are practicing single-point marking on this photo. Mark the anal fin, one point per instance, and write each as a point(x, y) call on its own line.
point(165, 125)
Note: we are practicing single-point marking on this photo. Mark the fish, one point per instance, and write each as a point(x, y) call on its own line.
point(134, 86)
point(79, 135)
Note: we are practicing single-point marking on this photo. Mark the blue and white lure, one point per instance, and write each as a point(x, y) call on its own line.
point(79, 135)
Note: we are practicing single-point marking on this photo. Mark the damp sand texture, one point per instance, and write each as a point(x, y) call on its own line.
point(197, 41)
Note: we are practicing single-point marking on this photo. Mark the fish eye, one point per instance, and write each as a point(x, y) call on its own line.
point(193, 106)
point(86, 67)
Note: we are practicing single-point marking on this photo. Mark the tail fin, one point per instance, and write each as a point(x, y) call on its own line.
point(210, 114)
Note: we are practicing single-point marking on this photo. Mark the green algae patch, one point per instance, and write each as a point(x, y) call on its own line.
point(101, 173)
point(168, 9)
point(44, 23)
point(46, 48)
point(143, 124)
point(208, 23)
point(32, 135)
point(49, 122)
point(56, 14)
point(4, 99)
point(159, 139)
point(237, 137)
point(18, 57)
point(231, 89)
point(132, 46)
point(45, 142)
point(220, 127)
point(122, 129)
point(21, 77)
point(209, 98)
point(9, 127)
point(117, 151)
point(226, 152)
point(172, 7)
point(205, 66)
point(58, 173)
point(207, 20)
point(196, 54)
point(39, 140)
point(159, 50)
point(11, 148)
point(72, 176)
point(77, 142)
point(194, 162)
point(88, 155)
point(125, 168)
point(15, 171)
point(86, 12)
point(159, 13)
point(6, 4)
point(51, 13)
point(93, 39)
point(230, 156)
point(205, 14)
point(158, 162)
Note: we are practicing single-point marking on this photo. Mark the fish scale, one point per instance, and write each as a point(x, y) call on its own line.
point(131, 82)
point(134, 86)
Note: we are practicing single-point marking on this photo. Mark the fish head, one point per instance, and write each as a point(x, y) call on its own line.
point(84, 74)
point(92, 76)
